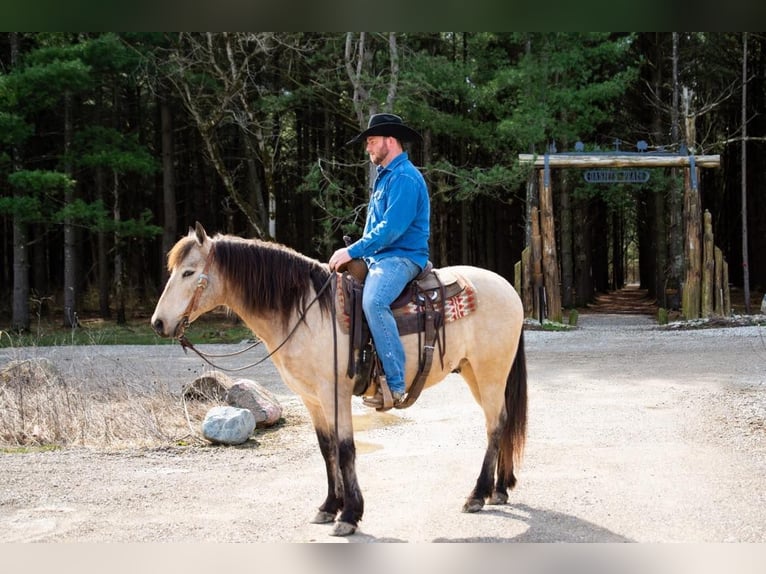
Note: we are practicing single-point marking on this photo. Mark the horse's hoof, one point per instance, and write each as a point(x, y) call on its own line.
point(498, 498)
point(473, 505)
point(323, 517)
point(343, 529)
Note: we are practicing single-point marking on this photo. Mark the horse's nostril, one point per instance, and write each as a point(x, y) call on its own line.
point(158, 326)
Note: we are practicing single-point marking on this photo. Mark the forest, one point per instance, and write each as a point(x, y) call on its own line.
point(113, 144)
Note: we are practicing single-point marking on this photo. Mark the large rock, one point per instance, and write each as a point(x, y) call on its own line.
point(228, 425)
point(211, 386)
point(763, 306)
point(247, 394)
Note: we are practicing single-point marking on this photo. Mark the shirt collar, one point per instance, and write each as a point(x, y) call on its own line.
point(393, 163)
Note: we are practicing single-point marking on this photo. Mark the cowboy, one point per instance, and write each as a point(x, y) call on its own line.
point(394, 244)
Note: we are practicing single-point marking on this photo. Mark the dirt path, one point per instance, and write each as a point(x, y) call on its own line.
point(635, 434)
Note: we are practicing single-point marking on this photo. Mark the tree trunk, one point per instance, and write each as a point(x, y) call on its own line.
point(70, 237)
point(676, 231)
point(119, 265)
point(103, 256)
point(618, 250)
point(465, 257)
point(660, 227)
point(661, 248)
point(745, 255)
point(170, 222)
point(259, 181)
point(582, 248)
point(357, 61)
point(40, 284)
point(599, 246)
point(20, 312)
point(646, 261)
point(20, 318)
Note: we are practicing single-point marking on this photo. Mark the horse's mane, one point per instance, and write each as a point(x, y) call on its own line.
point(270, 276)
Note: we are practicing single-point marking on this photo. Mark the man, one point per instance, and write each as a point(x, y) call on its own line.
point(395, 240)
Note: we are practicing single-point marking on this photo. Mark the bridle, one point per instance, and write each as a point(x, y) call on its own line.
point(202, 282)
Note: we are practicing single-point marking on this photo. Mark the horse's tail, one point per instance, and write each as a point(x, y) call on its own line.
point(515, 428)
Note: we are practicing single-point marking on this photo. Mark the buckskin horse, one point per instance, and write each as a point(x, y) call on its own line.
point(282, 296)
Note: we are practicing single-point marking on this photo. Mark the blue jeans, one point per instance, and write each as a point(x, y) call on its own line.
point(385, 281)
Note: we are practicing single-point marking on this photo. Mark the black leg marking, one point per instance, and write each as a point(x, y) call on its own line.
point(334, 501)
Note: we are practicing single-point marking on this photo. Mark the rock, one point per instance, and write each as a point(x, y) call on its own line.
point(211, 386)
point(228, 425)
point(247, 394)
point(763, 306)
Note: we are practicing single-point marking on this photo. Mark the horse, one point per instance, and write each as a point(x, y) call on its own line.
point(284, 299)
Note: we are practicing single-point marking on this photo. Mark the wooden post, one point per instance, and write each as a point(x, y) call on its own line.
point(690, 305)
point(708, 266)
point(537, 262)
point(551, 277)
point(527, 286)
point(726, 291)
point(718, 289)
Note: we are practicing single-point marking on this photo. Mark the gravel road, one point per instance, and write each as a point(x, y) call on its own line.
point(635, 435)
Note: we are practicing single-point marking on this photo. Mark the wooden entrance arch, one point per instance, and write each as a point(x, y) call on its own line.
point(540, 268)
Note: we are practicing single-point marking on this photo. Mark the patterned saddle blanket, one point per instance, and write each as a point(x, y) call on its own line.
point(449, 293)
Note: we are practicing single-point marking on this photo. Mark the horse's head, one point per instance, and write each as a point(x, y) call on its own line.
point(189, 291)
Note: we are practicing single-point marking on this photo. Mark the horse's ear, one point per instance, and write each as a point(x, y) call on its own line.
point(200, 231)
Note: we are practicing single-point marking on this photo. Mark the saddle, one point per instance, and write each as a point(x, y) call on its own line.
point(420, 308)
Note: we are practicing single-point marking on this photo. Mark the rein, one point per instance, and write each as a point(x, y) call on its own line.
point(202, 282)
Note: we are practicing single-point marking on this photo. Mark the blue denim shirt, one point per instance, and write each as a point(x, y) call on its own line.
point(398, 215)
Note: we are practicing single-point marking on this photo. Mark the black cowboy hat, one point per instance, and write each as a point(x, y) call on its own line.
point(387, 125)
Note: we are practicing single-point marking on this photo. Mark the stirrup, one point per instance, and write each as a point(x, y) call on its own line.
point(378, 400)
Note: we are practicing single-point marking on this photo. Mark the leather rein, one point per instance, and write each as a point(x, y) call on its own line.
point(202, 282)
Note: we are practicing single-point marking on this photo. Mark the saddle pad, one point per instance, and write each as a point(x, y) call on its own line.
point(456, 307)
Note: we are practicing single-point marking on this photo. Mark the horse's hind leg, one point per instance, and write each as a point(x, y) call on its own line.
point(490, 398)
point(514, 427)
point(486, 480)
point(506, 480)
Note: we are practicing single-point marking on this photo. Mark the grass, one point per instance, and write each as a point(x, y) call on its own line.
point(42, 411)
point(212, 328)
point(28, 449)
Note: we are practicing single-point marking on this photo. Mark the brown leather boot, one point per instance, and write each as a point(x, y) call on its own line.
point(376, 401)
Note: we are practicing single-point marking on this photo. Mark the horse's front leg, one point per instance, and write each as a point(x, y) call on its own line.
point(342, 432)
point(327, 446)
point(353, 506)
point(339, 453)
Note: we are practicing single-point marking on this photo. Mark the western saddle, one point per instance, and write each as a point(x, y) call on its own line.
point(419, 309)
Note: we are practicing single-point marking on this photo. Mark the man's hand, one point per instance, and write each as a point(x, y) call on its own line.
point(338, 258)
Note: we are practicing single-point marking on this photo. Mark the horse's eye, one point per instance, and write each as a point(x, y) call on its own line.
point(187, 273)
